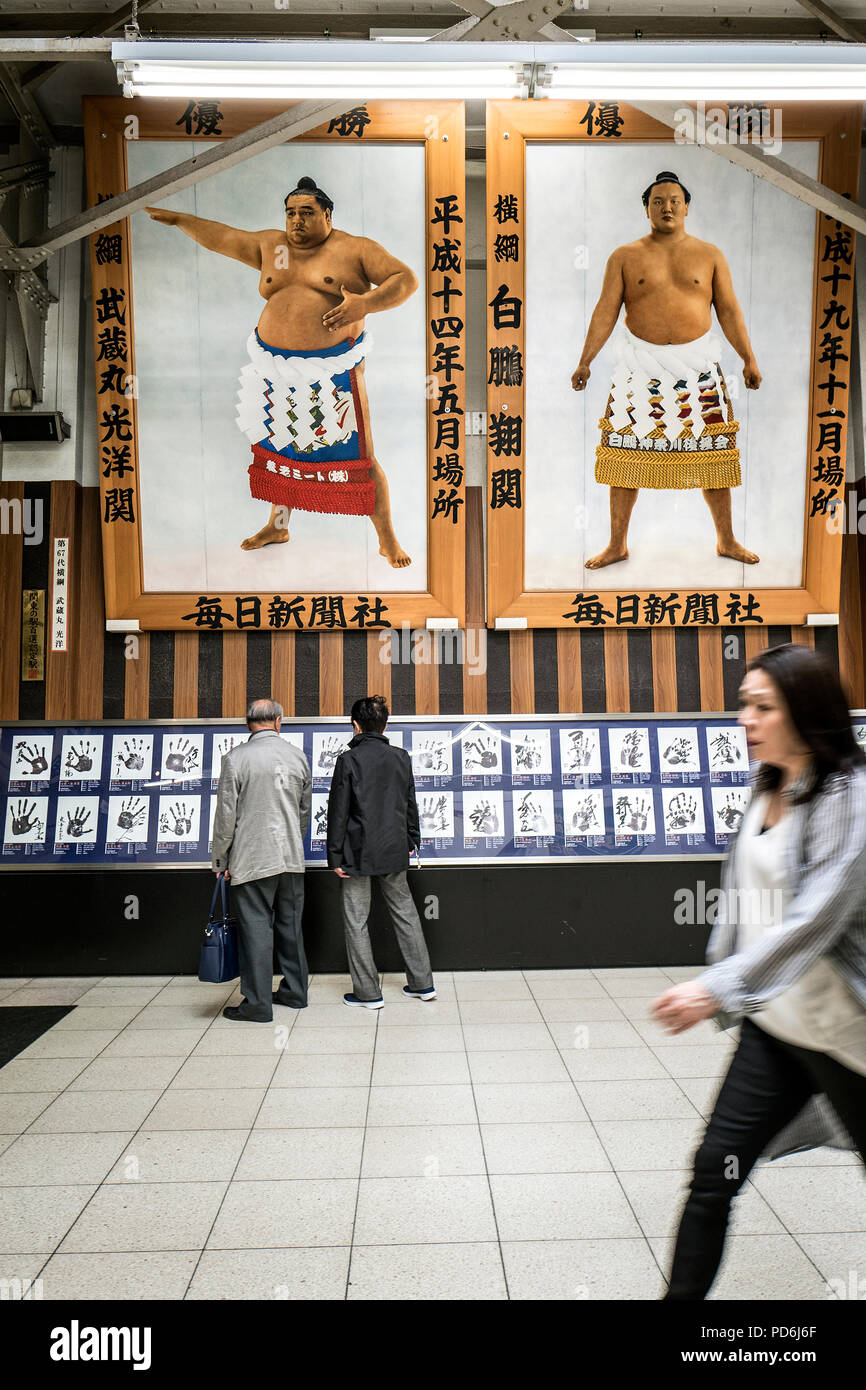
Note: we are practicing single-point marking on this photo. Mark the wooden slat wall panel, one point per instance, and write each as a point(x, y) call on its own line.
point(378, 667)
point(757, 639)
point(283, 670)
point(61, 667)
point(475, 677)
point(616, 672)
point(136, 703)
point(90, 635)
point(522, 673)
point(710, 663)
point(186, 675)
point(664, 669)
point(427, 686)
point(851, 616)
point(330, 673)
point(234, 681)
point(79, 683)
point(11, 547)
point(570, 682)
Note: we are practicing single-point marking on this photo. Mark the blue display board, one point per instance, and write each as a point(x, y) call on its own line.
point(492, 789)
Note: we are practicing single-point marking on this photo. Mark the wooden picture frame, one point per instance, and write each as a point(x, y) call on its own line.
point(598, 603)
point(109, 122)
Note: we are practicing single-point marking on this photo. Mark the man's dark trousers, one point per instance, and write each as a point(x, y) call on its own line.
point(269, 914)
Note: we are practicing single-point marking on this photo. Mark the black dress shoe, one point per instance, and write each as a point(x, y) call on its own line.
point(239, 1014)
point(288, 1003)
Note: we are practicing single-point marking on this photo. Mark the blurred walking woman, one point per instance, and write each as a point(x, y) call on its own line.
point(791, 961)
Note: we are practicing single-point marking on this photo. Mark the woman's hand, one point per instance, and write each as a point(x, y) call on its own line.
point(680, 1008)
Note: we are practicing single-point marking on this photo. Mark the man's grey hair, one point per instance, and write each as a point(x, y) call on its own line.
point(263, 712)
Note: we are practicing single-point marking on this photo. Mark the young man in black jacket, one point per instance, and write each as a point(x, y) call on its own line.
point(372, 827)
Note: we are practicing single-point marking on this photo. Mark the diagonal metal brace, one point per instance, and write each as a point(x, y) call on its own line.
point(297, 120)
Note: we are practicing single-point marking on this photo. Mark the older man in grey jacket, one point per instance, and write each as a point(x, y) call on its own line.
point(263, 810)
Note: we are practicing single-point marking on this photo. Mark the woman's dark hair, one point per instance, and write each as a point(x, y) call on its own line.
point(816, 702)
point(370, 714)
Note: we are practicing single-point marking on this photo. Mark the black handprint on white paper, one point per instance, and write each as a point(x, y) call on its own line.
point(731, 813)
point(328, 754)
point(24, 820)
point(79, 759)
point(527, 754)
point(131, 755)
point(35, 756)
point(484, 819)
point(682, 812)
point(177, 820)
point(182, 756)
point(76, 825)
point(132, 812)
point(584, 816)
point(481, 753)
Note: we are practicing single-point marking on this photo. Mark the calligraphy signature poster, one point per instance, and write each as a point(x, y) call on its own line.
point(218, 437)
point(709, 375)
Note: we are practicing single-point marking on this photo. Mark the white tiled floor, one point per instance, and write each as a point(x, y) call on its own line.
point(528, 1135)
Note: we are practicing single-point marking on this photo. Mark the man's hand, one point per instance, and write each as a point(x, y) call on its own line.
point(223, 873)
point(341, 873)
point(751, 376)
point(680, 1008)
point(352, 308)
point(163, 215)
point(580, 377)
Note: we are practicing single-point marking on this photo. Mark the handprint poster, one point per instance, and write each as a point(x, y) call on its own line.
point(527, 789)
point(81, 761)
point(178, 825)
point(533, 818)
point(483, 818)
point(131, 759)
point(530, 757)
point(30, 768)
point(77, 825)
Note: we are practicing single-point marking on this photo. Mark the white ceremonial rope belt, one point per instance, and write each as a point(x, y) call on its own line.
point(301, 385)
point(639, 362)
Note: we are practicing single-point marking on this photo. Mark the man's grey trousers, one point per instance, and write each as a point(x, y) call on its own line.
point(269, 913)
point(407, 927)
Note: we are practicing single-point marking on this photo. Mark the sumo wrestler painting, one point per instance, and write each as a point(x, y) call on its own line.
point(669, 300)
point(280, 346)
point(303, 399)
point(669, 420)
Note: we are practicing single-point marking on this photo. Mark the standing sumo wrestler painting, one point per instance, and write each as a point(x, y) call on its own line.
point(669, 420)
point(303, 400)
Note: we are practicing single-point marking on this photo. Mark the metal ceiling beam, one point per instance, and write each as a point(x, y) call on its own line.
point(299, 119)
point(34, 77)
point(766, 166)
point(843, 27)
point(24, 50)
point(299, 22)
point(25, 107)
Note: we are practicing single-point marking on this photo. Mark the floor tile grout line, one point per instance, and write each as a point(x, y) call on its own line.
point(363, 1149)
point(280, 1054)
point(102, 1183)
point(487, 1172)
point(135, 1134)
point(613, 1167)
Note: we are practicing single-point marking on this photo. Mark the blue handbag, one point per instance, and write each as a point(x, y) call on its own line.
point(218, 962)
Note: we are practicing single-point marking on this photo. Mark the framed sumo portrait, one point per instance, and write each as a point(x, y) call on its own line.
point(669, 348)
point(279, 360)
